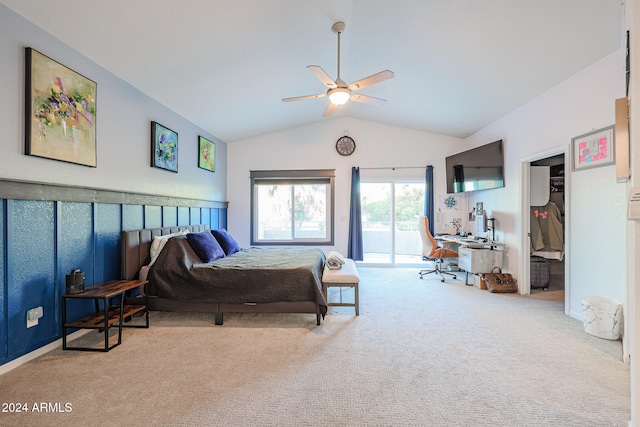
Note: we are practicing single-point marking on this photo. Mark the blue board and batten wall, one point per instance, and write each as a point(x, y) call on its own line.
point(43, 240)
point(47, 229)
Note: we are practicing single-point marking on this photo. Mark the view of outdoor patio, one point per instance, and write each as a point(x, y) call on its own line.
point(390, 214)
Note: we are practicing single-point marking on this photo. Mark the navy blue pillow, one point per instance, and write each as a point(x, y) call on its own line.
point(205, 246)
point(227, 243)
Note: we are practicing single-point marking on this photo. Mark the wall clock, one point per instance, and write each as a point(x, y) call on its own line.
point(345, 145)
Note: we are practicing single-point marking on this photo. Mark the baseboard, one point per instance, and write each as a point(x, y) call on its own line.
point(40, 351)
point(577, 315)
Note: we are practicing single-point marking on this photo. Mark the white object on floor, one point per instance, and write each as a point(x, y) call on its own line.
point(601, 317)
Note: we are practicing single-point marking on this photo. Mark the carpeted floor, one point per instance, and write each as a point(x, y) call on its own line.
point(557, 296)
point(421, 353)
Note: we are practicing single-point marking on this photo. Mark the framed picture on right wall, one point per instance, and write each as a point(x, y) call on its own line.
point(593, 149)
point(206, 154)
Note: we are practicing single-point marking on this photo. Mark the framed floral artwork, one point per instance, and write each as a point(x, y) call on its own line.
point(206, 154)
point(164, 147)
point(593, 149)
point(60, 112)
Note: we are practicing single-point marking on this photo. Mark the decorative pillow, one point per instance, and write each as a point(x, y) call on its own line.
point(158, 243)
point(205, 246)
point(227, 243)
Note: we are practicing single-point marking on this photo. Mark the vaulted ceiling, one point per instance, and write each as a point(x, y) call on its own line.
point(226, 65)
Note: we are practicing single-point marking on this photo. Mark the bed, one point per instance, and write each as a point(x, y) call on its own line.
point(253, 280)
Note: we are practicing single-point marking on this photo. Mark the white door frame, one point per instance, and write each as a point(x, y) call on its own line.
point(524, 286)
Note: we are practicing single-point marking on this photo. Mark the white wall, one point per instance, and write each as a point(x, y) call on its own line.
point(123, 127)
point(597, 217)
point(632, 12)
point(313, 147)
point(580, 104)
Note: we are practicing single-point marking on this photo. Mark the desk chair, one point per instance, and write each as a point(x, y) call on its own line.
point(432, 252)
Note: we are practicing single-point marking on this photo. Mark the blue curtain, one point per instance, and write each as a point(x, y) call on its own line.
point(428, 197)
point(355, 218)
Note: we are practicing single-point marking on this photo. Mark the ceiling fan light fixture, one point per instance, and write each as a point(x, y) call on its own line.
point(339, 92)
point(339, 95)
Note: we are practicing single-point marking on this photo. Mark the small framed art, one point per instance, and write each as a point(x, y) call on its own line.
point(206, 154)
point(60, 112)
point(593, 149)
point(164, 147)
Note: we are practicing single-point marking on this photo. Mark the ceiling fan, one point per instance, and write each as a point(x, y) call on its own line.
point(338, 91)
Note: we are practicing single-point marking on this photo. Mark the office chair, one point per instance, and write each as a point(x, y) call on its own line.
point(432, 252)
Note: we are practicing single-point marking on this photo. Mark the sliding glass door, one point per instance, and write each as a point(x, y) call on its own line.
point(390, 212)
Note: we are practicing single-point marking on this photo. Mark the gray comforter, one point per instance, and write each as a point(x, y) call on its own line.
point(253, 275)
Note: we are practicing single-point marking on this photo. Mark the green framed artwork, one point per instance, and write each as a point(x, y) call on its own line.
point(206, 154)
point(60, 112)
point(164, 147)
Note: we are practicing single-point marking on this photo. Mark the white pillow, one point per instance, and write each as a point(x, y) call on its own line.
point(158, 243)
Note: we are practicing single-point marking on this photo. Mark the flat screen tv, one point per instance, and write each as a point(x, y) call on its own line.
point(481, 168)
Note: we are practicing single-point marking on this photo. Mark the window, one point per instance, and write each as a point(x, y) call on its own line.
point(292, 207)
point(390, 211)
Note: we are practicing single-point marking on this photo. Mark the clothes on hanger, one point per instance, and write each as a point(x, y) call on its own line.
point(547, 230)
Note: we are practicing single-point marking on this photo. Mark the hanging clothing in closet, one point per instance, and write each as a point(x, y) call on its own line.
point(547, 231)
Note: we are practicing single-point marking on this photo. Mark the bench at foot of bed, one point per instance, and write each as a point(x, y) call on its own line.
point(345, 277)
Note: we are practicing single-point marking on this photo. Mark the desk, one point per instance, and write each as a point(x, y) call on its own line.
point(475, 256)
point(470, 242)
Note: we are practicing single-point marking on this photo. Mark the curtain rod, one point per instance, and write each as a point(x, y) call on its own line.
point(397, 167)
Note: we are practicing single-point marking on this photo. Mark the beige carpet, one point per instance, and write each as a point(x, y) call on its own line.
point(421, 353)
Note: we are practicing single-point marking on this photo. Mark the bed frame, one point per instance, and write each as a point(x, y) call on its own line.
point(135, 254)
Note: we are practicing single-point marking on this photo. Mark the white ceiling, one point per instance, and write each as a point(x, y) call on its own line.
point(225, 65)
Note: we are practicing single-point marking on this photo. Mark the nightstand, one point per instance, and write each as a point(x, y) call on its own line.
point(112, 313)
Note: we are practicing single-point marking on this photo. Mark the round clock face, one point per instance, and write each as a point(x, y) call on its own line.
point(346, 145)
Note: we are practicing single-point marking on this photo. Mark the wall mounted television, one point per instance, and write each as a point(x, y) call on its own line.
point(481, 168)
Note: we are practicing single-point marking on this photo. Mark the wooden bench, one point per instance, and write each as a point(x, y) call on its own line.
point(346, 277)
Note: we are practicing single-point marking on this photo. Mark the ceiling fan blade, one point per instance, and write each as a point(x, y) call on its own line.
point(328, 112)
point(300, 98)
point(322, 76)
point(364, 99)
point(371, 80)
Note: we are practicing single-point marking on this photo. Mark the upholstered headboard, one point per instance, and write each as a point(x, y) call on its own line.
point(136, 244)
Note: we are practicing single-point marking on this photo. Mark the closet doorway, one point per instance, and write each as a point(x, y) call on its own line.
point(546, 228)
point(539, 260)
